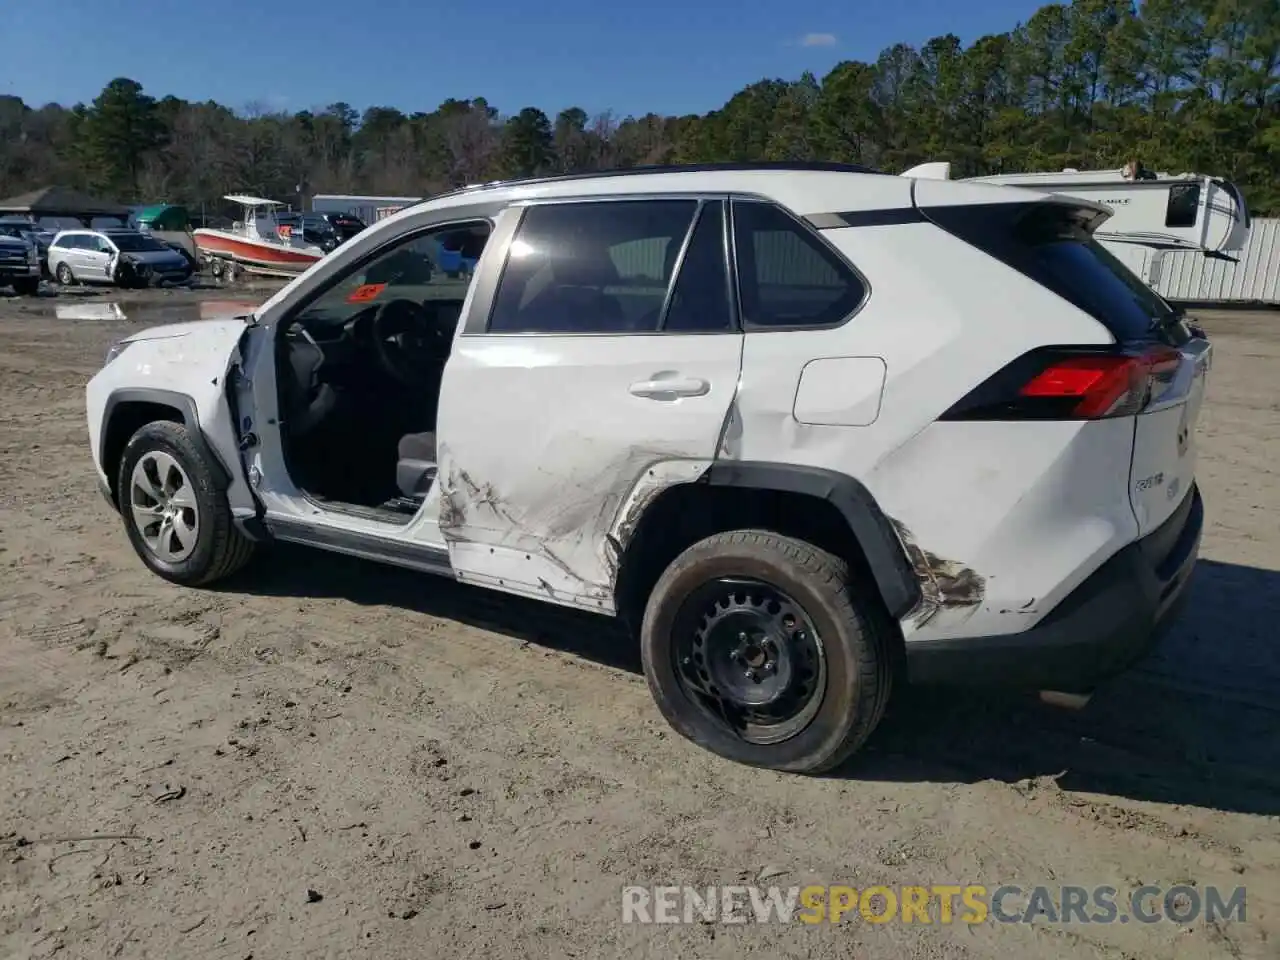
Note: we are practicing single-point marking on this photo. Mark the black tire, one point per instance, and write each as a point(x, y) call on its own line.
point(64, 275)
point(220, 548)
point(855, 636)
point(26, 286)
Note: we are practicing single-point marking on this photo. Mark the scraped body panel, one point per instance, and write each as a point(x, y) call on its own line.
point(545, 444)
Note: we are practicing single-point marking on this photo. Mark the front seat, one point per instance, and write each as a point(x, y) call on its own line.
point(416, 464)
point(576, 294)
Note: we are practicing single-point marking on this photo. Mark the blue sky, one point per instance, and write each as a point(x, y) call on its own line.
point(669, 56)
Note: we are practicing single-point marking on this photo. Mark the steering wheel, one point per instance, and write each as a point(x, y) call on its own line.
point(408, 341)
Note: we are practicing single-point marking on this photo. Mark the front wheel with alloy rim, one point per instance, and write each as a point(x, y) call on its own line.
point(174, 504)
point(762, 649)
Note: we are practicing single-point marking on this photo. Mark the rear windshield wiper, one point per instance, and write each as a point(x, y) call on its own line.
point(1177, 318)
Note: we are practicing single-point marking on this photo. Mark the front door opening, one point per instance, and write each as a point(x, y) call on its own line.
point(359, 370)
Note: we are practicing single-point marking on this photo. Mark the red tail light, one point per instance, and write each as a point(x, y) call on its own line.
point(1071, 385)
point(1104, 385)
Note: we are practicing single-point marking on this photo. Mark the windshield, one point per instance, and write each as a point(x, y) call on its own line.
point(411, 270)
point(136, 243)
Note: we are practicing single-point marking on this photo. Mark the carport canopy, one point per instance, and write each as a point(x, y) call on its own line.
point(62, 202)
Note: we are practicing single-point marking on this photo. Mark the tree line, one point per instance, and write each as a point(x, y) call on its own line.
point(1179, 84)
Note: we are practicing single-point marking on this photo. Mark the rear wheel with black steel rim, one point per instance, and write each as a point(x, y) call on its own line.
point(759, 648)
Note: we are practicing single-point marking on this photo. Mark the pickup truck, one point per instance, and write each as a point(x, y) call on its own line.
point(19, 265)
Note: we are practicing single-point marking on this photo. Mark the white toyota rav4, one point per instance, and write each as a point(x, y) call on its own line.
point(809, 428)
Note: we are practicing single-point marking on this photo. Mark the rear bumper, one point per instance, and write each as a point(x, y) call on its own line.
point(1104, 626)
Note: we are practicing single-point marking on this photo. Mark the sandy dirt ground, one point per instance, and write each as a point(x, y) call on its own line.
point(327, 758)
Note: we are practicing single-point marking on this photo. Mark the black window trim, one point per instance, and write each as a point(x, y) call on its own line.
point(679, 265)
point(804, 226)
point(291, 311)
point(523, 205)
point(735, 325)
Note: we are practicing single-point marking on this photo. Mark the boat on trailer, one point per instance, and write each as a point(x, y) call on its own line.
point(1152, 213)
point(257, 244)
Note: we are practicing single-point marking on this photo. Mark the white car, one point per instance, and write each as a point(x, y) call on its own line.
point(115, 255)
point(810, 429)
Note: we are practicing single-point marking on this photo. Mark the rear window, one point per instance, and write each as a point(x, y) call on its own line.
point(591, 267)
point(1052, 243)
point(136, 243)
point(787, 277)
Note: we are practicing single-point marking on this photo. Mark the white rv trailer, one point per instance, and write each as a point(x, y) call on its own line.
point(368, 209)
point(1150, 216)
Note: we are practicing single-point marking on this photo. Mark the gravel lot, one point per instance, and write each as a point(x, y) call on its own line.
point(329, 758)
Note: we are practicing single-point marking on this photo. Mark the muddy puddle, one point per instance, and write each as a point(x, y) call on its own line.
point(151, 313)
point(143, 307)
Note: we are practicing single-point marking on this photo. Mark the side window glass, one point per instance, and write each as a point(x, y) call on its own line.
point(787, 277)
point(1184, 202)
point(596, 267)
point(700, 299)
point(432, 269)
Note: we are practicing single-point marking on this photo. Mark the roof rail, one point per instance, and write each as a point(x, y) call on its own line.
point(812, 166)
point(821, 166)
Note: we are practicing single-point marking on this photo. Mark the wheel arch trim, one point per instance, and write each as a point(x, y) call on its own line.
point(184, 404)
point(895, 579)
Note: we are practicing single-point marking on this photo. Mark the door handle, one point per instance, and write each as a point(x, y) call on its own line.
point(673, 388)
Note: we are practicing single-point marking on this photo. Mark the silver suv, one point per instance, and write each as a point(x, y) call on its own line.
point(119, 256)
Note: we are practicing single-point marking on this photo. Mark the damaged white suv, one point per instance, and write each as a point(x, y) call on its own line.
point(810, 428)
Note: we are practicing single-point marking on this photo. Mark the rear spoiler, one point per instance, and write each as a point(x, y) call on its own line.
point(941, 170)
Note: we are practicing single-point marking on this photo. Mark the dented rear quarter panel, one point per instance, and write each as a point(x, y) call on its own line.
point(1000, 520)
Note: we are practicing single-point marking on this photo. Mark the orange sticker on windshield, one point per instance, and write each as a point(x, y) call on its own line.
point(366, 292)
